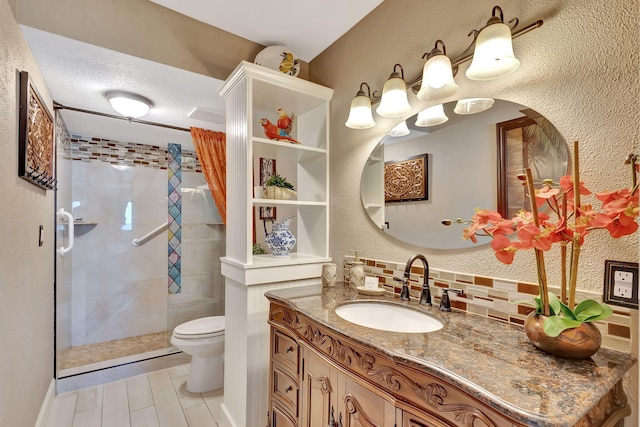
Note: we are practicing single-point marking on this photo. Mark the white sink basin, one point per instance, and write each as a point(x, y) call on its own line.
point(388, 317)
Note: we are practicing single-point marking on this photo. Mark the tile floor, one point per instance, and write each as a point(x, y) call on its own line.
point(156, 399)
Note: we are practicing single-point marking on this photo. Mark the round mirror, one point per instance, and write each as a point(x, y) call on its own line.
point(410, 183)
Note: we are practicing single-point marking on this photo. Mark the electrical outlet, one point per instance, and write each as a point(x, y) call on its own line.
point(621, 284)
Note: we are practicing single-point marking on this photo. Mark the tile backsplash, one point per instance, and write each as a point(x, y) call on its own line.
point(489, 297)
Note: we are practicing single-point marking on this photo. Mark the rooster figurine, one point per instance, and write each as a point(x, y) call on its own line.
point(285, 123)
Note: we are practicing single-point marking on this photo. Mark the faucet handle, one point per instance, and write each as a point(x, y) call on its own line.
point(445, 303)
point(404, 293)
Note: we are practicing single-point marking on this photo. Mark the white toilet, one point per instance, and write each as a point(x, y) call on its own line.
point(203, 339)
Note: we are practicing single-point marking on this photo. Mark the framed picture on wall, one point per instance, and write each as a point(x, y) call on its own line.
point(406, 180)
point(36, 160)
point(267, 170)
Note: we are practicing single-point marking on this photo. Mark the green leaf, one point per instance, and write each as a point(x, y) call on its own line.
point(568, 313)
point(606, 312)
point(588, 309)
point(554, 325)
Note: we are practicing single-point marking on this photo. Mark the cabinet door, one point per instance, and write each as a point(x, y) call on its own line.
point(361, 407)
point(318, 384)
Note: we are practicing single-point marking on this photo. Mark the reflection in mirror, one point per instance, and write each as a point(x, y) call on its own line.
point(472, 162)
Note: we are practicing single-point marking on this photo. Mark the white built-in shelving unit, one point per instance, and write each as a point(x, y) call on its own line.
point(253, 92)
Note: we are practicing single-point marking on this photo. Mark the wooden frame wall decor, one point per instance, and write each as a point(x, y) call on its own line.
point(36, 159)
point(406, 180)
point(529, 141)
point(267, 169)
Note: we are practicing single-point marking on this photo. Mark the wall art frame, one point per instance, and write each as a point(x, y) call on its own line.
point(36, 143)
point(267, 170)
point(406, 180)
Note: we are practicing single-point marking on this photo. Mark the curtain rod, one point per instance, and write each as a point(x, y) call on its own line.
point(58, 106)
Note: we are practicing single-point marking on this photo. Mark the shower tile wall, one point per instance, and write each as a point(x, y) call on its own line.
point(120, 290)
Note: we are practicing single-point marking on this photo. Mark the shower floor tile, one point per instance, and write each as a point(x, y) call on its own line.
point(122, 349)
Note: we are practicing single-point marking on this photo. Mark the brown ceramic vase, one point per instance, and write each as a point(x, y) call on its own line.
point(575, 343)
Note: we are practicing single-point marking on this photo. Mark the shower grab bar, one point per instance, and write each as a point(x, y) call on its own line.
point(62, 214)
point(153, 233)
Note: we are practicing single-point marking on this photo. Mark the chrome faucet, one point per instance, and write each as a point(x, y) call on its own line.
point(425, 294)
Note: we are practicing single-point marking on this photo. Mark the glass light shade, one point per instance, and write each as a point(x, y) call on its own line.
point(432, 116)
point(129, 104)
point(437, 79)
point(394, 102)
point(493, 56)
point(360, 116)
point(473, 105)
point(401, 129)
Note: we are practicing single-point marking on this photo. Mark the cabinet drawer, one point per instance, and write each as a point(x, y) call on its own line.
point(286, 351)
point(280, 418)
point(285, 389)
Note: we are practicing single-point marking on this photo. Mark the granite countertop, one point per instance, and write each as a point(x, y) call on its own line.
point(491, 360)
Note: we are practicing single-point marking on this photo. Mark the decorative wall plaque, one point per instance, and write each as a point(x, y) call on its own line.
point(406, 180)
point(36, 159)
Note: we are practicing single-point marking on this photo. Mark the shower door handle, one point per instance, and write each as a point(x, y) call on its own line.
point(62, 214)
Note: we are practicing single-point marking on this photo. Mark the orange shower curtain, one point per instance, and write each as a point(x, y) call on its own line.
point(211, 151)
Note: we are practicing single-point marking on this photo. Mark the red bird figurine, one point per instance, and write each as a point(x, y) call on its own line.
point(273, 132)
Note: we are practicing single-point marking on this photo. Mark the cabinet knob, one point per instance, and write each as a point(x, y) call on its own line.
point(290, 349)
point(288, 389)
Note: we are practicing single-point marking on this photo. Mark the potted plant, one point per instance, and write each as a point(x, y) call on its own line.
point(559, 325)
point(277, 187)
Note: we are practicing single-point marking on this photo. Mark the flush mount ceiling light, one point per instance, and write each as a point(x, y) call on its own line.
point(473, 105)
point(360, 116)
point(437, 76)
point(401, 129)
point(129, 104)
point(494, 41)
point(394, 102)
point(493, 56)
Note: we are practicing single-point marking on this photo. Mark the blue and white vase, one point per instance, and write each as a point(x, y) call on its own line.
point(280, 241)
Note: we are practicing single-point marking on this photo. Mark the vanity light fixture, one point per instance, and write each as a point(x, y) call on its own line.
point(494, 41)
point(437, 76)
point(432, 116)
point(394, 101)
point(493, 56)
point(360, 116)
point(129, 104)
point(473, 105)
point(401, 129)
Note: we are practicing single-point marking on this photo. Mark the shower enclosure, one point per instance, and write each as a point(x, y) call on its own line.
point(147, 244)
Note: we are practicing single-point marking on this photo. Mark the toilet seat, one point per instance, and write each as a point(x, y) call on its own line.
point(206, 327)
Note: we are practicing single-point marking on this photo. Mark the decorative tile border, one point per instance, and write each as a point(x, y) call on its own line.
point(89, 149)
point(174, 217)
point(489, 297)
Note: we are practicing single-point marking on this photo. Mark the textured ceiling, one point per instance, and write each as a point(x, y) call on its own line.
point(78, 75)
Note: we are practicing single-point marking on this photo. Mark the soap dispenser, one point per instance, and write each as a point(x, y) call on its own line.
point(356, 273)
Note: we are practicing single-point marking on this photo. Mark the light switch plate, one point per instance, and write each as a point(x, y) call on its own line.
point(621, 283)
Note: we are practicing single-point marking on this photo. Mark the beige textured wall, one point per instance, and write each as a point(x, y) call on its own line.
point(26, 270)
point(580, 69)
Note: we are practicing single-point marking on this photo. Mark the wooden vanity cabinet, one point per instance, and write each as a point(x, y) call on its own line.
point(321, 378)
